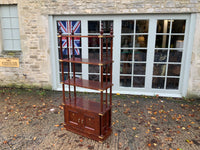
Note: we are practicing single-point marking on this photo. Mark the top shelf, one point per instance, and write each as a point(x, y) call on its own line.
point(87, 61)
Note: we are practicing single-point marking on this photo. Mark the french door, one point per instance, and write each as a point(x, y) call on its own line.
point(149, 51)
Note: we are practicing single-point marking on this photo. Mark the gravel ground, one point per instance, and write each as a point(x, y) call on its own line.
point(33, 120)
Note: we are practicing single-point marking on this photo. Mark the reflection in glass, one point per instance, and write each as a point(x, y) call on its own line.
point(125, 81)
point(160, 56)
point(159, 69)
point(140, 55)
point(174, 70)
point(126, 68)
point(162, 41)
point(172, 83)
point(106, 26)
point(94, 77)
point(126, 41)
point(158, 83)
point(142, 26)
point(178, 26)
point(126, 55)
point(163, 26)
point(93, 69)
point(141, 40)
point(175, 56)
point(93, 42)
point(177, 41)
point(138, 81)
point(127, 26)
point(139, 68)
point(94, 54)
point(93, 26)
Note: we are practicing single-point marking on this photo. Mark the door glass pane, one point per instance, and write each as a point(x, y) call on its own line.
point(141, 40)
point(138, 81)
point(178, 26)
point(159, 69)
point(127, 26)
point(177, 41)
point(172, 83)
point(106, 26)
point(142, 26)
point(93, 42)
point(125, 81)
point(163, 26)
point(175, 56)
point(93, 26)
point(162, 41)
point(160, 56)
point(126, 68)
point(126, 55)
point(127, 41)
point(158, 83)
point(139, 68)
point(140, 55)
point(174, 70)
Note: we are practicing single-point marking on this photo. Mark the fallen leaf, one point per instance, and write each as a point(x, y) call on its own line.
point(57, 125)
point(117, 93)
point(190, 142)
point(149, 144)
point(134, 128)
point(34, 106)
point(5, 142)
point(116, 134)
point(137, 101)
point(81, 140)
point(34, 138)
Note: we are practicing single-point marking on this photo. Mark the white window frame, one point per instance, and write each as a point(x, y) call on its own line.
point(147, 90)
point(9, 26)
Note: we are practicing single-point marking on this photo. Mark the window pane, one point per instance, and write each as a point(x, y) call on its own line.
point(13, 11)
point(126, 55)
point(178, 26)
point(16, 45)
point(175, 56)
point(63, 26)
point(174, 70)
point(172, 83)
point(7, 34)
point(15, 22)
point(65, 76)
point(141, 40)
point(177, 41)
point(160, 56)
point(5, 11)
point(127, 41)
point(139, 68)
point(6, 23)
point(78, 67)
point(106, 26)
point(126, 68)
point(127, 26)
point(158, 83)
point(163, 26)
point(16, 34)
point(138, 81)
point(93, 26)
point(162, 41)
point(142, 26)
point(76, 26)
point(8, 44)
point(159, 69)
point(140, 55)
point(125, 81)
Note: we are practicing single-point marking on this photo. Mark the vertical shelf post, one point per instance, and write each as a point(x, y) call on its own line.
point(101, 66)
point(74, 76)
point(62, 66)
point(111, 53)
point(68, 66)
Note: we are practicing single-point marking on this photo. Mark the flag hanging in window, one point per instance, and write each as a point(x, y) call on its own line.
point(67, 27)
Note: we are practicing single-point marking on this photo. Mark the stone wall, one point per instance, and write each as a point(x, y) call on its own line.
point(35, 69)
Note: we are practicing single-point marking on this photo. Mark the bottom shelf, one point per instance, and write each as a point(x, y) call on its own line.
point(84, 118)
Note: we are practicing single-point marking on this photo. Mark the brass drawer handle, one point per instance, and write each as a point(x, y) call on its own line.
point(79, 120)
point(82, 121)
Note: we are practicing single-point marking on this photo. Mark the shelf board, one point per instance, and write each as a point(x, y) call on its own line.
point(88, 105)
point(90, 84)
point(87, 61)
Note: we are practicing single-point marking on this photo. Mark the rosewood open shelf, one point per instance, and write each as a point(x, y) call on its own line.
point(84, 116)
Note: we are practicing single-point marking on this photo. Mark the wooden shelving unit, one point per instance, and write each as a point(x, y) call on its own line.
point(86, 117)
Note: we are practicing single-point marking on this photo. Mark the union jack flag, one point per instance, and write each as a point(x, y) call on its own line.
point(67, 27)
